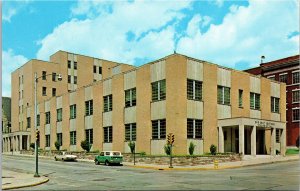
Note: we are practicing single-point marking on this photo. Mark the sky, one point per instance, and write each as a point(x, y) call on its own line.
point(234, 34)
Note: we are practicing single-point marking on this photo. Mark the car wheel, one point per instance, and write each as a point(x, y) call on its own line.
point(55, 158)
point(96, 162)
point(106, 163)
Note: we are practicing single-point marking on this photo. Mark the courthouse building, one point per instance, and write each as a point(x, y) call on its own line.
point(110, 104)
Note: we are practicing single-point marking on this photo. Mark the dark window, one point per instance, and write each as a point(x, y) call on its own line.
point(89, 108)
point(28, 122)
point(283, 78)
point(159, 90)
point(271, 77)
point(130, 132)
point(223, 95)
point(274, 105)
point(44, 91)
point(194, 129)
point(69, 79)
point(59, 138)
point(296, 78)
point(159, 129)
point(59, 114)
point(107, 106)
point(47, 117)
point(53, 77)
point(254, 101)
point(240, 98)
point(38, 120)
point(296, 114)
point(100, 70)
point(44, 73)
point(75, 65)
point(277, 135)
point(194, 90)
point(108, 134)
point(130, 97)
point(47, 140)
point(95, 69)
point(296, 96)
point(69, 63)
point(89, 135)
point(73, 111)
point(75, 79)
point(53, 92)
point(73, 138)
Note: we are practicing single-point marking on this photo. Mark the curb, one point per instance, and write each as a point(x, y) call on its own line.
point(27, 185)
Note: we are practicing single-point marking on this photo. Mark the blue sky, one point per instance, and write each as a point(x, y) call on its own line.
point(229, 33)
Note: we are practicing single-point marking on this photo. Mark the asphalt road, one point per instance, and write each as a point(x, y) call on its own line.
point(88, 176)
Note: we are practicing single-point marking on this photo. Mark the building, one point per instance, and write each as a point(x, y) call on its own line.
point(286, 70)
point(197, 101)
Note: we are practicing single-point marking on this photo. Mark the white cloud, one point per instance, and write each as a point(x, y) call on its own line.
point(12, 8)
point(219, 3)
point(246, 33)
point(10, 62)
point(8, 14)
point(104, 32)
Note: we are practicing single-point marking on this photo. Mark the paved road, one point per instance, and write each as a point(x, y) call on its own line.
point(87, 176)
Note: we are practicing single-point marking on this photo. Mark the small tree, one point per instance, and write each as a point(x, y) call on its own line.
point(85, 145)
point(131, 145)
point(192, 148)
point(167, 148)
point(32, 145)
point(57, 145)
point(213, 149)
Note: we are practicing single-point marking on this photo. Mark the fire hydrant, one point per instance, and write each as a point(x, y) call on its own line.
point(216, 164)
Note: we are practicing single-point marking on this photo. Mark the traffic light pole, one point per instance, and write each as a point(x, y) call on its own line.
point(171, 156)
point(35, 127)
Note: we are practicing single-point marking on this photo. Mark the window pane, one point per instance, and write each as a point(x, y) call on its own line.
point(252, 101)
point(133, 133)
point(127, 98)
point(283, 78)
point(127, 132)
point(198, 90)
point(296, 78)
point(190, 130)
point(190, 89)
point(220, 95)
point(296, 114)
point(296, 96)
point(240, 98)
point(162, 129)
point(198, 129)
point(226, 95)
point(133, 94)
point(110, 102)
point(155, 129)
point(257, 101)
point(162, 90)
point(154, 91)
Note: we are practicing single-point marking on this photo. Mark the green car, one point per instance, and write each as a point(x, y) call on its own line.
point(109, 157)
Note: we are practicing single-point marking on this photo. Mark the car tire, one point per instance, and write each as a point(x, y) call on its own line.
point(96, 162)
point(106, 163)
point(55, 158)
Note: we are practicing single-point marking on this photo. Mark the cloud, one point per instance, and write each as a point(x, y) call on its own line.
point(10, 62)
point(120, 31)
point(8, 14)
point(245, 34)
point(12, 8)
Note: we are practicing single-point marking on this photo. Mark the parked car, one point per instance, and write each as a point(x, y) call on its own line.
point(109, 157)
point(65, 157)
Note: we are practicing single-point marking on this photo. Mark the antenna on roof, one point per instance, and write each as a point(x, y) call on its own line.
point(262, 59)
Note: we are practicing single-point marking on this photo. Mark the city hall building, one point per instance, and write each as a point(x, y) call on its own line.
point(110, 104)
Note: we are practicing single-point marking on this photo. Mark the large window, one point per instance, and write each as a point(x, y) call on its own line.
point(274, 104)
point(130, 132)
point(277, 135)
point(108, 134)
point(44, 91)
point(194, 90)
point(159, 90)
point(47, 140)
point(28, 122)
point(283, 78)
point(59, 115)
point(296, 96)
point(194, 129)
point(296, 78)
point(296, 114)
point(53, 76)
point(73, 111)
point(254, 101)
point(59, 138)
point(69, 79)
point(223, 95)
point(75, 79)
point(73, 138)
point(69, 64)
point(75, 65)
point(107, 106)
point(159, 129)
point(47, 117)
point(44, 75)
point(130, 97)
point(53, 92)
point(89, 135)
point(95, 69)
point(38, 120)
point(240, 98)
point(88, 107)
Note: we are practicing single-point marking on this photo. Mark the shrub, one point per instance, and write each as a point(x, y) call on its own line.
point(131, 146)
point(57, 145)
point(32, 145)
point(167, 149)
point(192, 148)
point(142, 153)
point(213, 149)
point(85, 145)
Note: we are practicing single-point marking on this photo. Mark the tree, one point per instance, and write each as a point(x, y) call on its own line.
point(57, 145)
point(213, 149)
point(192, 148)
point(167, 148)
point(131, 145)
point(85, 145)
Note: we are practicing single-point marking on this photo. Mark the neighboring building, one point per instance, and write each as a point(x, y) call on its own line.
point(195, 100)
point(6, 117)
point(286, 70)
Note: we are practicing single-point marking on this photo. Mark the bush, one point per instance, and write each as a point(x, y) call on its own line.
point(131, 146)
point(85, 145)
point(142, 153)
point(167, 149)
point(32, 145)
point(213, 149)
point(192, 148)
point(57, 145)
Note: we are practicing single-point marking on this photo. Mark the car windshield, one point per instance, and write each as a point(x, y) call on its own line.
point(116, 153)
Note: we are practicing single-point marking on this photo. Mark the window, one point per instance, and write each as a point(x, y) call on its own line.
point(130, 97)
point(44, 73)
point(223, 95)
point(47, 140)
point(159, 90)
point(53, 77)
point(75, 65)
point(38, 120)
point(69, 64)
point(75, 79)
point(274, 105)
point(108, 138)
point(47, 117)
point(283, 78)
point(73, 111)
point(254, 101)
point(296, 96)
point(73, 138)
point(59, 115)
point(194, 90)
point(28, 122)
point(59, 138)
point(194, 129)
point(296, 114)
point(130, 132)
point(89, 135)
point(44, 91)
point(89, 108)
point(95, 69)
point(240, 98)
point(159, 129)
point(271, 77)
point(277, 135)
point(53, 92)
point(296, 78)
point(69, 79)
point(107, 100)
point(100, 70)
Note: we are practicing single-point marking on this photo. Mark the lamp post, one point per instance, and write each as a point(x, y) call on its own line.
point(35, 121)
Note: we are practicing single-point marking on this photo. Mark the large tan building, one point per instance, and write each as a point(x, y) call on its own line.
point(197, 101)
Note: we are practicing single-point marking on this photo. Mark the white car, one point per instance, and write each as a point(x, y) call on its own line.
point(65, 157)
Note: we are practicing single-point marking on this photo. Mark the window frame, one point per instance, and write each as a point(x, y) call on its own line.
point(296, 80)
point(47, 117)
point(241, 98)
point(107, 103)
point(89, 107)
point(59, 138)
point(158, 88)
point(47, 140)
point(131, 100)
point(130, 132)
point(296, 94)
point(194, 90)
point(72, 137)
point(89, 135)
point(256, 97)
point(221, 97)
point(59, 115)
point(194, 128)
point(275, 105)
point(161, 129)
point(295, 112)
point(73, 111)
point(44, 91)
point(107, 134)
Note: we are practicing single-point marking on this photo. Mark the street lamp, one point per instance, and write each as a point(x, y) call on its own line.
point(262, 59)
point(59, 77)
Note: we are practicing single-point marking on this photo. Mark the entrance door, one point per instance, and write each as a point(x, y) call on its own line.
point(236, 132)
point(260, 142)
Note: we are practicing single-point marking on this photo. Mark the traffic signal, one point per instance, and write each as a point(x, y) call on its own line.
point(172, 138)
point(37, 135)
point(169, 139)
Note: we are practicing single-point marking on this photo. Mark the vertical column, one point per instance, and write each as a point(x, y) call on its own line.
point(8, 145)
point(28, 142)
point(283, 142)
point(241, 139)
point(273, 141)
point(221, 140)
point(253, 141)
point(21, 142)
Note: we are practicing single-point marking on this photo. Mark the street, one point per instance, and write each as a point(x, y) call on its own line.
point(88, 176)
